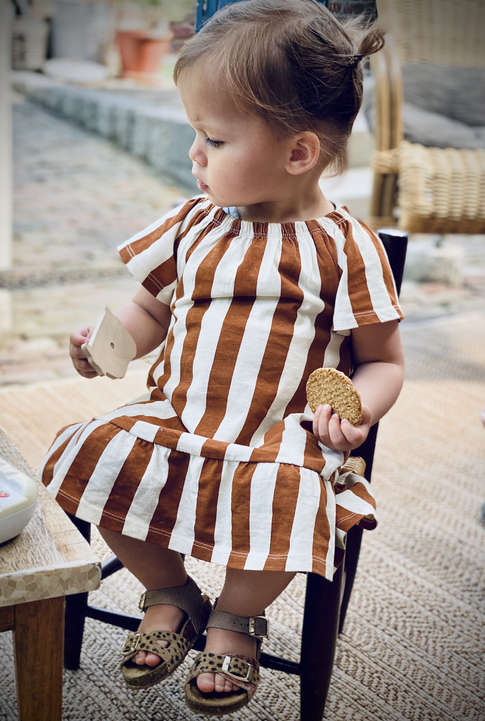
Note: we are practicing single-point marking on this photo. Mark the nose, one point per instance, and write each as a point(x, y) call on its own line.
point(197, 154)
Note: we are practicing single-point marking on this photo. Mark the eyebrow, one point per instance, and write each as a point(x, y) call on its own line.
point(207, 127)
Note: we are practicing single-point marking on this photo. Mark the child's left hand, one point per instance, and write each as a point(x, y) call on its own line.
point(340, 435)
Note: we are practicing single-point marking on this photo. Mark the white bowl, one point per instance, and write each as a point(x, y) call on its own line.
point(18, 500)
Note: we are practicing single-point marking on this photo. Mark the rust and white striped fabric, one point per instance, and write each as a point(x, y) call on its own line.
point(220, 463)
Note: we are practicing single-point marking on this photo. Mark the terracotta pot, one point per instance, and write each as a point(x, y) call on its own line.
point(139, 52)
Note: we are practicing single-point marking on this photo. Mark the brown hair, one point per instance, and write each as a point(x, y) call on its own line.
point(292, 63)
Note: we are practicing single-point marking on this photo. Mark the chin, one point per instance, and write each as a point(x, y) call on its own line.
point(215, 200)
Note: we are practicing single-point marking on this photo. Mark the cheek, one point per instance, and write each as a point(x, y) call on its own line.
point(264, 160)
point(224, 170)
point(246, 168)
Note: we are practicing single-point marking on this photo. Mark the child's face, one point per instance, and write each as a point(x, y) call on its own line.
point(237, 160)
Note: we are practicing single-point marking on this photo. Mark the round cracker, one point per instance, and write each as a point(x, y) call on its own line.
point(330, 386)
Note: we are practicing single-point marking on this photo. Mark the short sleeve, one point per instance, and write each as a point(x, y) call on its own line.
point(151, 255)
point(366, 292)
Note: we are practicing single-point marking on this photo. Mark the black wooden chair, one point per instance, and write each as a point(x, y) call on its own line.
point(325, 602)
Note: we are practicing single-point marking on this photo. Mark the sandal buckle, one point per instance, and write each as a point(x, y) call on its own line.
point(135, 640)
point(258, 626)
point(131, 644)
point(141, 604)
point(225, 667)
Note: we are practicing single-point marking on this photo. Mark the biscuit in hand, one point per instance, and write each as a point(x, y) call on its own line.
point(330, 386)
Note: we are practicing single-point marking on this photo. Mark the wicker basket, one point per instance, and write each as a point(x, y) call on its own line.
point(29, 43)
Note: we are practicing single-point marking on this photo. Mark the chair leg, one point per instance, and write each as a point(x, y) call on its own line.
point(354, 536)
point(75, 614)
point(112, 565)
point(319, 638)
point(354, 540)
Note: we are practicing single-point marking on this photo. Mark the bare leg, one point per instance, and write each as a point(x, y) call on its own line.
point(245, 593)
point(154, 567)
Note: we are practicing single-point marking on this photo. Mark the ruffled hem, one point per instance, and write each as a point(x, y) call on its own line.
point(241, 514)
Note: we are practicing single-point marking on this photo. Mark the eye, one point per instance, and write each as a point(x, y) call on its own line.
point(213, 143)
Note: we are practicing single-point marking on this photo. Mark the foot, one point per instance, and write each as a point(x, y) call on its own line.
point(158, 618)
point(220, 641)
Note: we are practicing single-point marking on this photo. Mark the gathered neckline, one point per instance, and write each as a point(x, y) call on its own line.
point(227, 211)
point(288, 228)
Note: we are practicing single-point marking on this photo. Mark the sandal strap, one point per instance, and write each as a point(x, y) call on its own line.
point(243, 672)
point(188, 598)
point(149, 642)
point(256, 626)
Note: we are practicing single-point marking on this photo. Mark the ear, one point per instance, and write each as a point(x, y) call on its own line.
point(304, 152)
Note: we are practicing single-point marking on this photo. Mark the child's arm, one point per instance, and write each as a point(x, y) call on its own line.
point(145, 318)
point(378, 376)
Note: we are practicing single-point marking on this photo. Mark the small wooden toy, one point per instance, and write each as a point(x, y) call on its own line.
point(110, 348)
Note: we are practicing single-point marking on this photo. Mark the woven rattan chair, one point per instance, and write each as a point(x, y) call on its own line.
point(325, 602)
point(425, 189)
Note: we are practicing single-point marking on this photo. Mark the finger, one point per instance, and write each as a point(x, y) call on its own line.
point(320, 423)
point(337, 438)
point(80, 336)
point(357, 434)
point(352, 434)
point(84, 368)
point(88, 374)
point(76, 351)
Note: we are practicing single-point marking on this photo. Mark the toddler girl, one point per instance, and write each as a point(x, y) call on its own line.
point(246, 290)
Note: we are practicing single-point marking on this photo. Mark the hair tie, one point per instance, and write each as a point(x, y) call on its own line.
point(354, 60)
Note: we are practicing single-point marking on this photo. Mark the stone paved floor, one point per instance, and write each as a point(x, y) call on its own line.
point(76, 197)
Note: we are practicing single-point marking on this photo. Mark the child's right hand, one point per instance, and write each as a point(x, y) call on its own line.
point(79, 361)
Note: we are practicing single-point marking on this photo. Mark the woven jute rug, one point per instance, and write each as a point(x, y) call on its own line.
point(413, 645)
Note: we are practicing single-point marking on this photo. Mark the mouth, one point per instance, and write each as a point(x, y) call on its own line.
point(202, 186)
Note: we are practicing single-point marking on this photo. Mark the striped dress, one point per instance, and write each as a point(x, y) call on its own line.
point(220, 462)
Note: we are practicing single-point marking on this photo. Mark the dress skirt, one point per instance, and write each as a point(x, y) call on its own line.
point(219, 502)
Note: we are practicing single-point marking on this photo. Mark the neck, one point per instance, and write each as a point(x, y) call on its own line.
point(293, 206)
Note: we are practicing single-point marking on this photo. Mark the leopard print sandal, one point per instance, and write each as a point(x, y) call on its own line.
point(190, 599)
point(242, 671)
